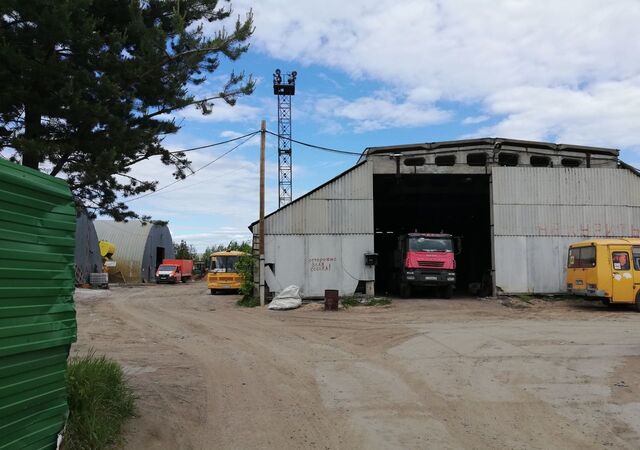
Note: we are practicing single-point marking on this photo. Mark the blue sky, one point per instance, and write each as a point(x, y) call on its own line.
point(388, 72)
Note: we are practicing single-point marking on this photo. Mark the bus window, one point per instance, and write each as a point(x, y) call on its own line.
point(620, 261)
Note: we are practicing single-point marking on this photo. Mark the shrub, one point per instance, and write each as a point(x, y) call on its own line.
point(245, 266)
point(100, 402)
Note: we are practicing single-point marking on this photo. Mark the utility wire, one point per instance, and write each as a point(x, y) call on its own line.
point(215, 143)
point(248, 137)
point(328, 149)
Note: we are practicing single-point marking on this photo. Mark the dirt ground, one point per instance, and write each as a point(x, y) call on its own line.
point(442, 374)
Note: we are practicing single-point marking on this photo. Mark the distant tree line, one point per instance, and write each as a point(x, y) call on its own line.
point(187, 251)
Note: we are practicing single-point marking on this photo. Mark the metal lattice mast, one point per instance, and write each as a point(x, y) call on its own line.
point(284, 91)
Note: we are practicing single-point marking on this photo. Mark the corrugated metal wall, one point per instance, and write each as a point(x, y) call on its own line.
point(538, 212)
point(319, 241)
point(37, 316)
point(344, 206)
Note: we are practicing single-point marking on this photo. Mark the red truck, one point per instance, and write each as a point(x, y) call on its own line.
point(174, 270)
point(425, 259)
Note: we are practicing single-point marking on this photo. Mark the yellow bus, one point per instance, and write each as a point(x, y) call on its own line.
point(606, 270)
point(223, 275)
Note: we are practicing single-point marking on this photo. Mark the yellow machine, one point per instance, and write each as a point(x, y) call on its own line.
point(223, 275)
point(605, 269)
point(107, 249)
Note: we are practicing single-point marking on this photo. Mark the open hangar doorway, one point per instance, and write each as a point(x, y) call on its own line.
point(434, 203)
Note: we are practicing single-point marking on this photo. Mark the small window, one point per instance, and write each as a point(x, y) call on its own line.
point(571, 162)
point(507, 159)
point(414, 161)
point(445, 160)
point(540, 161)
point(635, 251)
point(477, 159)
point(620, 261)
point(582, 257)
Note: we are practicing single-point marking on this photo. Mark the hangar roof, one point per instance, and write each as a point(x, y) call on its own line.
point(493, 143)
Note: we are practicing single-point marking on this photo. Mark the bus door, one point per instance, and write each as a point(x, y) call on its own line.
point(622, 275)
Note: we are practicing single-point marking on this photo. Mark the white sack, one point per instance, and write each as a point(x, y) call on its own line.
point(289, 298)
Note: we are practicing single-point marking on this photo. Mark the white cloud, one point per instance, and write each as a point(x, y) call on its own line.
point(471, 120)
point(375, 113)
point(481, 52)
point(603, 114)
point(221, 112)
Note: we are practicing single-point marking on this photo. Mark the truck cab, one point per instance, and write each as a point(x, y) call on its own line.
point(425, 259)
point(605, 269)
point(168, 273)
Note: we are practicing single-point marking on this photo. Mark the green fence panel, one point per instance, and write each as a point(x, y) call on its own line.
point(37, 315)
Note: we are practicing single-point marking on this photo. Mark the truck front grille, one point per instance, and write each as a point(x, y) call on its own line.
point(431, 263)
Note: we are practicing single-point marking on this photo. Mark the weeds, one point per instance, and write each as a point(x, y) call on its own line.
point(100, 402)
point(248, 301)
point(351, 301)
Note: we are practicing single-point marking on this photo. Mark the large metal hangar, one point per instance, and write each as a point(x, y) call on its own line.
point(140, 248)
point(516, 205)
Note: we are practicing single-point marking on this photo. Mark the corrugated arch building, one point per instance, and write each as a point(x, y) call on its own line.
point(516, 204)
point(140, 248)
point(87, 251)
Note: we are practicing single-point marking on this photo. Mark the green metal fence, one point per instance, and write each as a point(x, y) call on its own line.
point(37, 315)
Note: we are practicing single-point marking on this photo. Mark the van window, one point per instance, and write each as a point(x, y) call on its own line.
point(582, 257)
point(636, 257)
point(620, 261)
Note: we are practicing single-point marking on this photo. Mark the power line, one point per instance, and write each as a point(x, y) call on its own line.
point(215, 143)
point(328, 149)
point(248, 137)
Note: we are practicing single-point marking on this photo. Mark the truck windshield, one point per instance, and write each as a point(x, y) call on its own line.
point(421, 244)
point(224, 263)
point(165, 267)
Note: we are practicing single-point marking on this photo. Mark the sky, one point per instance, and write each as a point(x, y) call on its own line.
point(375, 73)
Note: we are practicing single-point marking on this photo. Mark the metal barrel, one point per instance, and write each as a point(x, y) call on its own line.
point(331, 298)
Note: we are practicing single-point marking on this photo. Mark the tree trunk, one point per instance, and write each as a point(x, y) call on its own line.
point(32, 131)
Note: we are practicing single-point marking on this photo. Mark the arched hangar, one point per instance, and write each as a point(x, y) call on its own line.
point(516, 205)
point(140, 248)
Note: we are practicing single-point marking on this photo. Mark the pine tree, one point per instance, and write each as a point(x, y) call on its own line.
point(86, 86)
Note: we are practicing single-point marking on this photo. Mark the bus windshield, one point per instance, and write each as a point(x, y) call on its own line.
point(224, 263)
point(422, 244)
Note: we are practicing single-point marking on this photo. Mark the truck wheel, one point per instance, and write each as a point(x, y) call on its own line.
point(447, 291)
point(405, 290)
point(184, 280)
point(213, 291)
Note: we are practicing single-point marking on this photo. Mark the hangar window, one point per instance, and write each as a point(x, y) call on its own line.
point(445, 160)
point(477, 159)
point(571, 162)
point(414, 161)
point(540, 161)
point(507, 159)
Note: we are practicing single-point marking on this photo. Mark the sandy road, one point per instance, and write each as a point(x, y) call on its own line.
point(419, 374)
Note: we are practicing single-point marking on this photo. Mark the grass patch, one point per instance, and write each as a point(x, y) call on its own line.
point(351, 301)
point(100, 402)
point(248, 301)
